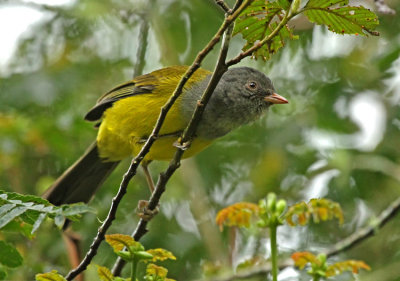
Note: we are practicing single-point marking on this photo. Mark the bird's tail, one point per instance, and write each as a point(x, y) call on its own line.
point(81, 180)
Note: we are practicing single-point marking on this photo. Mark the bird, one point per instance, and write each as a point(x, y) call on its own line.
point(126, 115)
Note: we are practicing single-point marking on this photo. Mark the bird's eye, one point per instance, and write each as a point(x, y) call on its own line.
point(252, 85)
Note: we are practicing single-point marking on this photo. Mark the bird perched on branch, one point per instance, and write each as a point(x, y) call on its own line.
point(127, 114)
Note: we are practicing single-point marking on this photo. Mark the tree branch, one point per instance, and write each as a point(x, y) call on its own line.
point(266, 40)
point(141, 51)
point(366, 232)
point(223, 6)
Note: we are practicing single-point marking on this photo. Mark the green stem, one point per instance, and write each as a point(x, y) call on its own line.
point(316, 277)
point(274, 252)
point(134, 264)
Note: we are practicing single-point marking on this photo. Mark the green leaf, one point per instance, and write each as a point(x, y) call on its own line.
point(285, 4)
point(3, 274)
point(24, 198)
point(38, 222)
point(160, 254)
point(50, 276)
point(19, 226)
point(104, 273)
point(74, 211)
point(14, 213)
point(26, 213)
point(9, 256)
point(5, 208)
point(119, 241)
point(342, 20)
point(325, 3)
point(258, 21)
point(317, 209)
point(59, 221)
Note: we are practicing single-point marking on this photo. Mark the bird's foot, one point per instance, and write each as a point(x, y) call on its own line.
point(184, 146)
point(144, 212)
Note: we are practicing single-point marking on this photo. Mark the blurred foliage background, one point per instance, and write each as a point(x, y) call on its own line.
point(338, 138)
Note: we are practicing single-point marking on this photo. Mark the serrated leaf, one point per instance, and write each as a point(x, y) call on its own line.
point(156, 271)
point(285, 4)
point(76, 209)
point(258, 21)
point(38, 222)
point(326, 3)
point(29, 216)
point(104, 273)
point(9, 256)
point(5, 208)
point(32, 210)
point(301, 259)
point(342, 20)
point(59, 221)
point(238, 214)
point(12, 214)
point(318, 209)
point(119, 241)
point(25, 198)
point(161, 254)
point(50, 276)
point(350, 265)
point(19, 226)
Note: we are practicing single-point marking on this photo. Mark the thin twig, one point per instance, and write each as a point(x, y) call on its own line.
point(366, 232)
point(141, 51)
point(223, 6)
point(164, 177)
point(107, 222)
point(33, 5)
point(263, 42)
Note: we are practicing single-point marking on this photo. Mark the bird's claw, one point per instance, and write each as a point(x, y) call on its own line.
point(184, 146)
point(144, 212)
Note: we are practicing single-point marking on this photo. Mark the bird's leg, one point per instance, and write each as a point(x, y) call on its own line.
point(142, 209)
point(149, 179)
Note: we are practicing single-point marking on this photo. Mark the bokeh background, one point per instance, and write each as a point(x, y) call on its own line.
point(338, 137)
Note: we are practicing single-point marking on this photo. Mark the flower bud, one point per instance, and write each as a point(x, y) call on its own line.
point(271, 202)
point(280, 206)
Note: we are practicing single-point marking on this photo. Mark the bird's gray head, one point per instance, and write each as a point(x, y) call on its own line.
point(244, 84)
point(241, 96)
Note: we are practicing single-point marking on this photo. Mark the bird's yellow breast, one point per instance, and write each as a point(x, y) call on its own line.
point(129, 121)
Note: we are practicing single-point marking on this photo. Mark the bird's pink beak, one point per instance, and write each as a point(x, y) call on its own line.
point(276, 99)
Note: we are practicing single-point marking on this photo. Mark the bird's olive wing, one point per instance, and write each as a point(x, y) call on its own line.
point(131, 88)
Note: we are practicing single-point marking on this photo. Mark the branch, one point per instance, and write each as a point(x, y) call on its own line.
point(141, 51)
point(266, 40)
point(164, 177)
point(223, 6)
point(34, 5)
point(366, 232)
